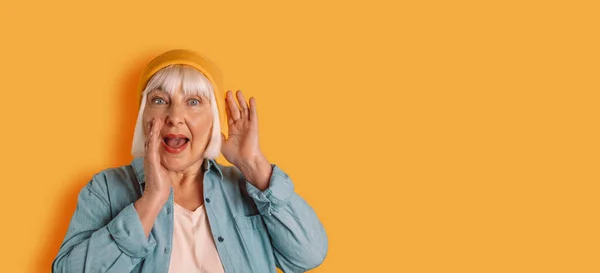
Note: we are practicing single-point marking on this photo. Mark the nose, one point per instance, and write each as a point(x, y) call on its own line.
point(175, 115)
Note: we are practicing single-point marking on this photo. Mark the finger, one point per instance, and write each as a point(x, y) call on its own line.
point(253, 114)
point(229, 118)
point(154, 143)
point(232, 105)
point(147, 131)
point(243, 105)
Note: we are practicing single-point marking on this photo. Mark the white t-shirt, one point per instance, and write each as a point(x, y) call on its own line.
point(194, 249)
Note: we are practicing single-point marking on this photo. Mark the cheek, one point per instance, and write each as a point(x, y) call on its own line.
point(201, 127)
point(150, 112)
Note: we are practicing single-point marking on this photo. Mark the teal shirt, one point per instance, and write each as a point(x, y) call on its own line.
point(254, 231)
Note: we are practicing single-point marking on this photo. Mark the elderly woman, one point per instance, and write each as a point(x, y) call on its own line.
point(174, 208)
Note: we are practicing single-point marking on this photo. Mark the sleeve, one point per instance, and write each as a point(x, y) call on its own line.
point(97, 243)
point(298, 236)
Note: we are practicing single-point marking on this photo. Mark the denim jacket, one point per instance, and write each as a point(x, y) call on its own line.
point(254, 231)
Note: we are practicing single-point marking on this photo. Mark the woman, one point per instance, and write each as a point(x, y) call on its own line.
point(174, 208)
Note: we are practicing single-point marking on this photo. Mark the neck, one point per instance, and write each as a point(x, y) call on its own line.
point(190, 176)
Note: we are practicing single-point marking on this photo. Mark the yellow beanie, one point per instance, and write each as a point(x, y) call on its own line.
point(193, 59)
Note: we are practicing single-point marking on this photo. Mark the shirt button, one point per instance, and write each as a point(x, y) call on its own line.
point(220, 239)
point(166, 250)
point(168, 210)
point(207, 200)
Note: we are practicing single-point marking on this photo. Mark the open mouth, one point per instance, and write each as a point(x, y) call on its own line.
point(175, 144)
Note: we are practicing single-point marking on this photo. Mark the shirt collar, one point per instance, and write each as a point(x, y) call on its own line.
point(138, 168)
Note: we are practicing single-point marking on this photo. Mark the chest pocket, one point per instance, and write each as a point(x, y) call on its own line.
point(257, 242)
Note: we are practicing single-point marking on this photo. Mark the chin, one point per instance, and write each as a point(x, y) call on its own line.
point(175, 163)
point(179, 162)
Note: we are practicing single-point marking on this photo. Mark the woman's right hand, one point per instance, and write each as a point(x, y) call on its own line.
point(158, 184)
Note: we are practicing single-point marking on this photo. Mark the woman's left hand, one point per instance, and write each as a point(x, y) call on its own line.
point(241, 147)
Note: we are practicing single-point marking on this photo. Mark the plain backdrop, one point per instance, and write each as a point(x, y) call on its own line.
point(429, 136)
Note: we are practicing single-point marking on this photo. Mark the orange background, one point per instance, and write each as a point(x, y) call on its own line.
point(434, 136)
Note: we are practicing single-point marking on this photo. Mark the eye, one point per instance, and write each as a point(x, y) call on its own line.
point(158, 100)
point(194, 102)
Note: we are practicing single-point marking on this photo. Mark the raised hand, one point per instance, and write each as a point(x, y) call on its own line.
point(241, 147)
point(158, 184)
point(157, 181)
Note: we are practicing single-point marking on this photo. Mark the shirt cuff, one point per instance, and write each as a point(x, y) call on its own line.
point(127, 231)
point(276, 195)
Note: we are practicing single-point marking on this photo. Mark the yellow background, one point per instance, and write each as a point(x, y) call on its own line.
point(429, 136)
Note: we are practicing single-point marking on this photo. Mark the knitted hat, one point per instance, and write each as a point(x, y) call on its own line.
point(193, 59)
